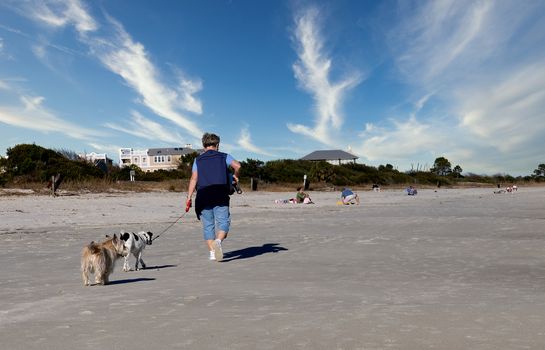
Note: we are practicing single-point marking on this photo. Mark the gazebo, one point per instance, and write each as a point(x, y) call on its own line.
point(331, 156)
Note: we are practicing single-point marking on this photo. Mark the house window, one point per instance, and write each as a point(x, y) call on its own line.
point(168, 159)
point(135, 160)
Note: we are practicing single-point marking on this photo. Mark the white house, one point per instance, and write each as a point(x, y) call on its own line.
point(100, 160)
point(153, 159)
point(95, 157)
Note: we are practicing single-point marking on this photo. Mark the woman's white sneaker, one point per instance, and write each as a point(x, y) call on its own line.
point(217, 250)
point(212, 255)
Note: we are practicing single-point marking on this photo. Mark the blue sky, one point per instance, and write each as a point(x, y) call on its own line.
point(394, 82)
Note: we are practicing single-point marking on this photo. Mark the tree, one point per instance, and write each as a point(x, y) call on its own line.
point(540, 171)
point(285, 170)
point(123, 174)
point(68, 154)
point(387, 167)
point(457, 170)
point(3, 177)
point(322, 171)
point(30, 162)
point(252, 168)
point(185, 163)
point(188, 158)
point(441, 166)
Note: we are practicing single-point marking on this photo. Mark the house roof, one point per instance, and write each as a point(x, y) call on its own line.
point(176, 151)
point(335, 154)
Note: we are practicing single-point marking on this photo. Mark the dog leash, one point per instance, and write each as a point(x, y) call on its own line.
point(238, 190)
point(169, 226)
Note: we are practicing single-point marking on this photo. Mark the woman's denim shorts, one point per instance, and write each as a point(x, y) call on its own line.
point(215, 219)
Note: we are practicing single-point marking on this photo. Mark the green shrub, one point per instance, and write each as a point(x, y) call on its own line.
point(162, 175)
point(33, 163)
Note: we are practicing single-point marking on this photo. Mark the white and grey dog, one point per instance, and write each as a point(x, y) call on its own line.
point(135, 244)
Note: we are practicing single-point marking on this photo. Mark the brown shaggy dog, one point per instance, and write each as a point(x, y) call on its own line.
point(99, 258)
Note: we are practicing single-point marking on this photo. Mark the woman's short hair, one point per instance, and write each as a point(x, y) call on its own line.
point(210, 140)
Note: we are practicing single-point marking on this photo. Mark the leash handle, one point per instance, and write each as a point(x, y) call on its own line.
point(237, 187)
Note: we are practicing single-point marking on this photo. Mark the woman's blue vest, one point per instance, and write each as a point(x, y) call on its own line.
point(212, 181)
point(212, 169)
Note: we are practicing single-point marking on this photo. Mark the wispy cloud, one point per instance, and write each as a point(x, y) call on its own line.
point(111, 150)
point(245, 141)
point(147, 129)
point(59, 13)
point(14, 30)
point(186, 90)
point(440, 35)
point(405, 140)
point(4, 54)
point(4, 85)
point(484, 72)
point(510, 114)
point(39, 51)
point(408, 142)
point(127, 58)
point(39, 44)
point(312, 71)
point(421, 102)
point(31, 114)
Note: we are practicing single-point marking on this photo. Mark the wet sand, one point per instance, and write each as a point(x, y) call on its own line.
point(446, 269)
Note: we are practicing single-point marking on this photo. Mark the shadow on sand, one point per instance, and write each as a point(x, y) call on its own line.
point(131, 280)
point(251, 252)
point(158, 267)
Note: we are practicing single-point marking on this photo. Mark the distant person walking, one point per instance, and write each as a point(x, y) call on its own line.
point(211, 178)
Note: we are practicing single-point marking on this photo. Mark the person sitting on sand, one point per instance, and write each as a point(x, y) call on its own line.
point(302, 197)
point(411, 191)
point(349, 197)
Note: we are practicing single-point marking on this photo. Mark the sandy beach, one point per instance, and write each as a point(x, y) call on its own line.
point(446, 269)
